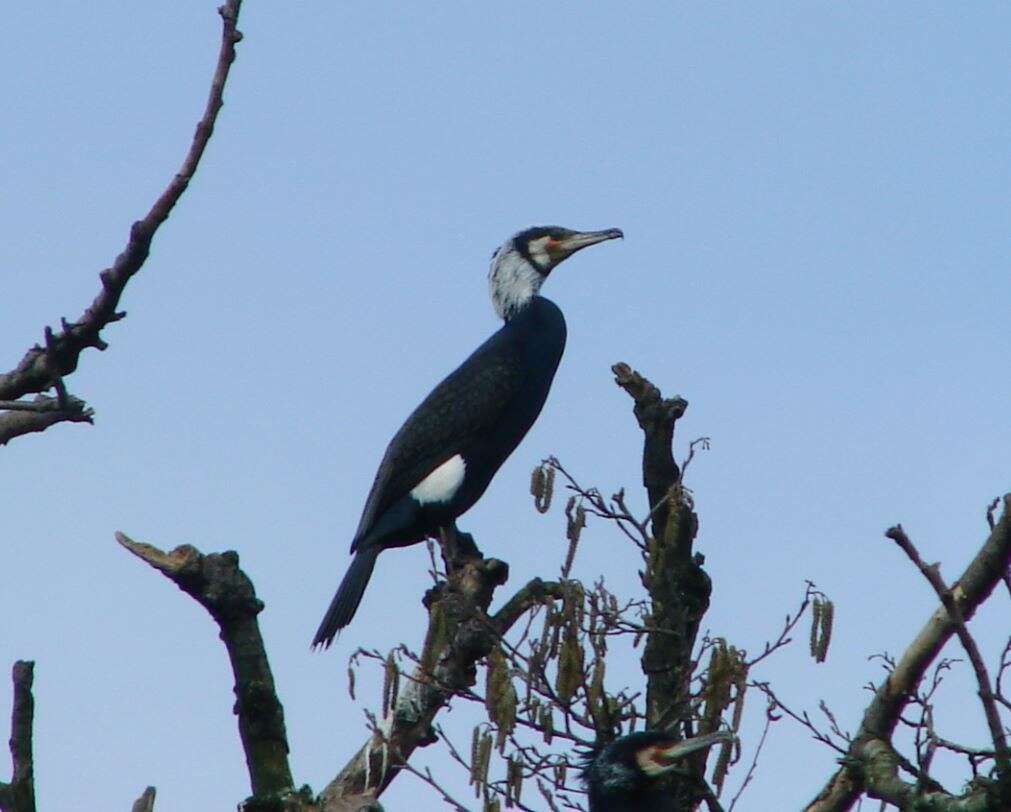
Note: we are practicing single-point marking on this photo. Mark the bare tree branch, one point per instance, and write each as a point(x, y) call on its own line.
point(535, 592)
point(28, 416)
point(880, 765)
point(216, 583)
point(678, 587)
point(19, 794)
point(975, 585)
point(933, 576)
point(44, 367)
point(656, 416)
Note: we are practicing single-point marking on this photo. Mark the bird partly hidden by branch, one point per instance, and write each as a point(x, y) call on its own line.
point(443, 458)
point(627, 774)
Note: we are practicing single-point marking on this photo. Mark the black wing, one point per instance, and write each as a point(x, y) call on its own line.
point(469, 402)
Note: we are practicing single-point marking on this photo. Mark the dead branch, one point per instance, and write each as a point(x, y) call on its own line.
point(216, 583)
point(534, 593)
point(44, 367)
point(656, 416)
point(29, 416)
point(678, 587)
point(19, 794)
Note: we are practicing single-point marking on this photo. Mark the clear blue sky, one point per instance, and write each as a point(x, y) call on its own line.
point(816, 208)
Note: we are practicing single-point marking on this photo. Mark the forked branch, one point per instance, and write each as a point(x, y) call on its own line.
point(871, 765)
point(933, 576)
point(44, 367)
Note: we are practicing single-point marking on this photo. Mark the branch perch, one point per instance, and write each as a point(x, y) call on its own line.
point(459, 636)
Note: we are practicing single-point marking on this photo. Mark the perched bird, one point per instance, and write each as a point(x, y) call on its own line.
point(443, 458)
point(624, 776)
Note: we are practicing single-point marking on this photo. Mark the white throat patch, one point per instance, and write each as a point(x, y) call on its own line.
point(512, 281)
point(443, 483)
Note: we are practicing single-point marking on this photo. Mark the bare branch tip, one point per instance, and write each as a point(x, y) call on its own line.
point(168, 563)
point(23, 673)
point(145, 803)
point(897, 534)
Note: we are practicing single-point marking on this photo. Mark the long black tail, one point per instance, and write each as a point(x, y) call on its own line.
point(349, 595)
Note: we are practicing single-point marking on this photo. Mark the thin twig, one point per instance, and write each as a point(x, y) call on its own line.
point(788, 626)
point(770, 717)
point(801, 718)
point(429, 779)
point(1005, 664)
point(700, 442)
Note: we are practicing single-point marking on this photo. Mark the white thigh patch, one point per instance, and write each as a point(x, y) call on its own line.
point(443, 483)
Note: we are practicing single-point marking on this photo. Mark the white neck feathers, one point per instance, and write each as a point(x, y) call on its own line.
point(512, 282)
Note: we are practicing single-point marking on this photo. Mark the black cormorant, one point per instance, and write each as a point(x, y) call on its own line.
point(624, 776)
point(443, 458)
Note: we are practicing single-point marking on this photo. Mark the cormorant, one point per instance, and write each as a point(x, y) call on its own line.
point(443, 458)
point(624, 776)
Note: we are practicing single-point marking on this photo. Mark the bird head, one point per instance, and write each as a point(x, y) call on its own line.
point(625, 774)
point(522, 263)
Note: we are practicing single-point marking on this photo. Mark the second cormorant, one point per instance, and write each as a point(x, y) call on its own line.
point(626, 775)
